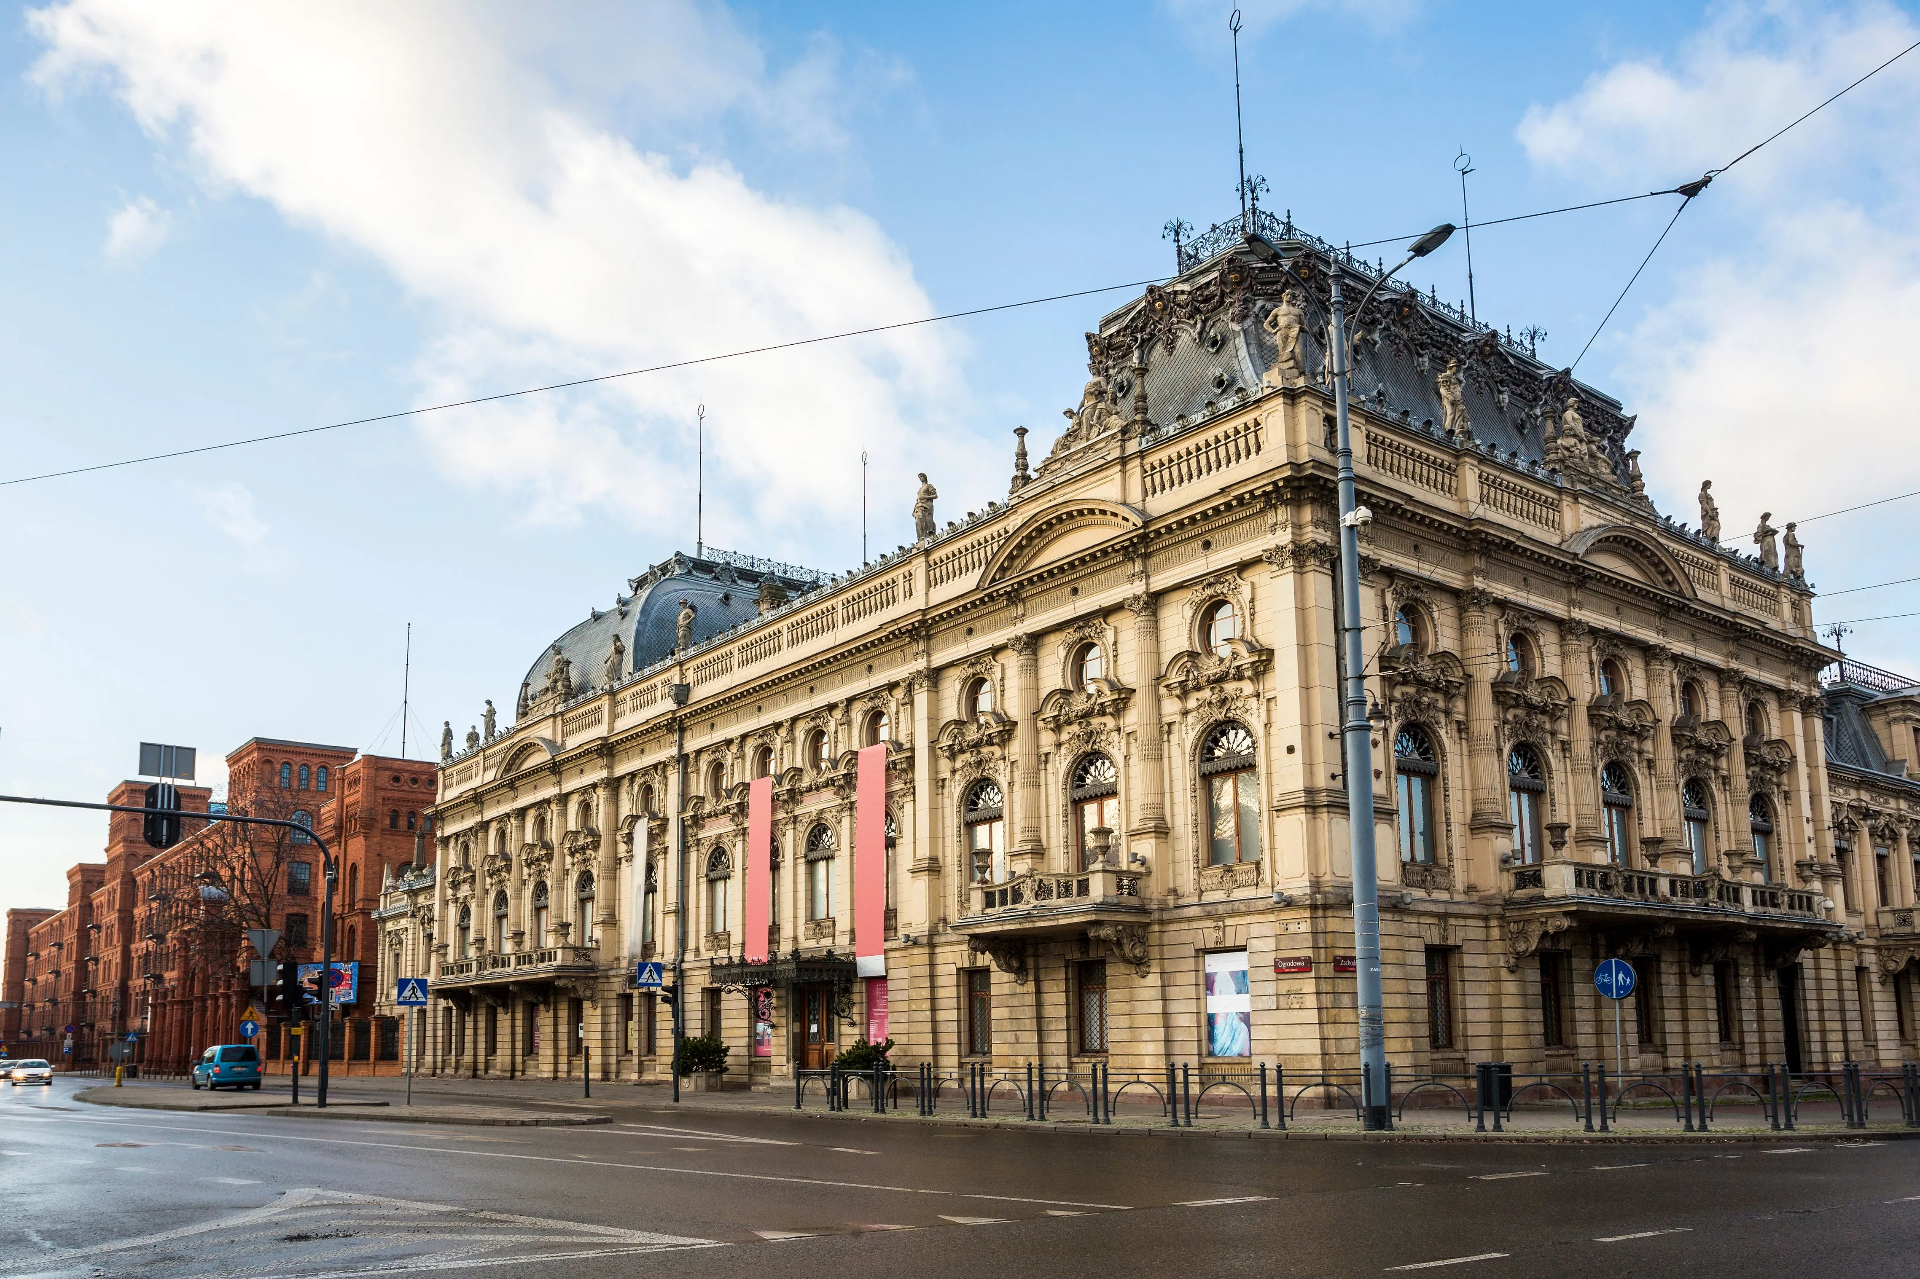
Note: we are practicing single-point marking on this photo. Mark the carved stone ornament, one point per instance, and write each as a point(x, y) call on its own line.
point(1768, 765)
point(1531, 710)
point(1621, 732)
point(1894, 959)
point(1009, 954)
point(1524, 935)
point(536, 857)
point(1423, 687)
point(1427, 876)
point(1129, 943)
point(1220, 879)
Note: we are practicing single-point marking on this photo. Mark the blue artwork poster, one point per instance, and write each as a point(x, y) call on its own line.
point(1229, 1005)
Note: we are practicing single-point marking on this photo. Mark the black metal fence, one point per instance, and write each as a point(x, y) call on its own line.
point(1268, 1096)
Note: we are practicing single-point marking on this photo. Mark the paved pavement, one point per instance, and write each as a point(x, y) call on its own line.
point(720, 1190)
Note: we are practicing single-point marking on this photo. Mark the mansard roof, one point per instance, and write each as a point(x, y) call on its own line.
point(1848, 687)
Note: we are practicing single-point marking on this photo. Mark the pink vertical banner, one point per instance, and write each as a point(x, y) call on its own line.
point(870, 862)
point(876, 1010)
point(759, 903)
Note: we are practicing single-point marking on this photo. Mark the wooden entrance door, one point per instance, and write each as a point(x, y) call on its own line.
point(813, 1030)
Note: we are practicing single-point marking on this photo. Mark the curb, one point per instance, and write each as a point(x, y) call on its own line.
point(365, 1111)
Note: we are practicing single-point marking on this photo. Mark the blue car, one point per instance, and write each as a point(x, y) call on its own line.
point(228, 1065)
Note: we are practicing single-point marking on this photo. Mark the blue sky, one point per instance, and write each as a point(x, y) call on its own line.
point(222, 221)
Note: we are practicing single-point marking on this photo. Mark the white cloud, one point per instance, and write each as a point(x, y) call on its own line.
point(138, 227)
point(229, 509)
point(429, 137)
point(1779, 362)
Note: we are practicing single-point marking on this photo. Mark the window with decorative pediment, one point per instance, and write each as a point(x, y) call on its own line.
point(976, 699)
point(1410, 629)
point(500, 922)
point(816, 750)
point(1526, 802)
point(1228, 774)
point(821, 845)
point(1616, 802)
point(1094, 793)
point(986, 823)
point(1760, 822)
point(1089, 663)
point(1613, 679)
point(542, 913)
point(463, 933)
point(1219, 624)
point(878, 730)
point(1697, 812)
point(763, 762)
point(1523, 662)
point(1416, 769)
point(719, 876)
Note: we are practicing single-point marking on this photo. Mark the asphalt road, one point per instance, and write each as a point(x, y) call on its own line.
point(89, 1191)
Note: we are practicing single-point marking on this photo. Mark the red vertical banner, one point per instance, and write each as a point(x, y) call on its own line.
point(870, 862)
point(876, 1010)
point(759, 904)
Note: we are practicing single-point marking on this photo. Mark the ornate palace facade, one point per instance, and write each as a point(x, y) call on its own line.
point(1115, 811)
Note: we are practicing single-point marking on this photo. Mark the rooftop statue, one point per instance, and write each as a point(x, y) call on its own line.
point(1709, 512)
point(1453, 401)
point(473, 738)
point(487, 730)
point(616, 659)
point(560, 676)
point(923, 510)
point(446, 739)
point(1285, 322)
point(1095, 416)
point(683, 626)
point(525, 700)
point(1763, 537)
point(1795, 563)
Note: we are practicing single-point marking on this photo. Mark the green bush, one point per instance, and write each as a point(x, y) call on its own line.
point(703, 1053)
point(865, 1056)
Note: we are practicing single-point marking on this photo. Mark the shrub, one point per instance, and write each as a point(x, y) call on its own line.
point(704, 1053)
point(865, 1056)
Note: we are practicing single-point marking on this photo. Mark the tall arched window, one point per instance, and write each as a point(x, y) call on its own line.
point(1756, 719)
point(879, 729)
point(413, 819)
point(1613, 680)
point(763, 762)
point(1409, 629)
point(716, 780)
point(542, 914)
point(719, 875)
point(463, 934)
point(1616, 802)
point(305, 777)
point(1521, 661)
point(1416, 770)
point(1760, 819)
point(1089, 663)
point(353, 886)
point(1233, 799)
point(1219, 624)
point(1526, 801)
point(1094, 794)
point(500, 921)
point(977, 698)
point(1692, 704)
point(646, 798)
point(821, 843)
point(986, 821)
point(286, 776)
point(583, 907)
point(393, 819)
point(304, 820)
point(817, 750)
point(1694, 811)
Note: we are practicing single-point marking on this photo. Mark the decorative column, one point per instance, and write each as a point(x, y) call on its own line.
point(516, 832)
point(1029, 851)
point(1483, 749)
point(606, 879)
point(1583, 782)
point(1150, 800)
point(1736, 834)
point(1666, 785)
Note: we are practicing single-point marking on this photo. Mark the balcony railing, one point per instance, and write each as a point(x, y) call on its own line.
point(1050, 890)
point(1663, 888)
point(522, 963)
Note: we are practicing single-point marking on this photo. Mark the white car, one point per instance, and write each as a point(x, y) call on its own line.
point(33, 1071)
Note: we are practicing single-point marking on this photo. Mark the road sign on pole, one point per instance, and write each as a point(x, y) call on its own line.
point(249, 1029)
point(412, 992)
point(1615, 979)
point(650, 976)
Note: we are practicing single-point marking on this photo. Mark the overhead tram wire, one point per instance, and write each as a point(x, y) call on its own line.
point(1827, 595)
point(1688, 190)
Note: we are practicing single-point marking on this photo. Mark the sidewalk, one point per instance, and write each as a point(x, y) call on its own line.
point(341, 1104)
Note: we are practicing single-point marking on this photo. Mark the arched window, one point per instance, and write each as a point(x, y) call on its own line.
point(540, 827)
point(1416, 770)
point(353, 888)
point(320, 778)
point(986, 821)
point(304, 820)
point(646, 799)
point(393, 819)
point(500, 922)
point(305, 777)
point(583, 815)
point(1520, 656)
point(821, 843)
point(583, 901)
point(1526, 798)
point(977, 699)
point(1616, 799)
point(1613, 681)
point(1694, 811)
point(1692, 704)
point(542, 913)
point(719, 875)
point(879, 729)
point(413, 819)
point(1756, 719)
point(1094, 793)
point(1089, 663)
point(463, 934)
point(1410, 629)
point(286, 776)
point(1760, 819)
point(817, 750)
point(1233, 799)
point(1218, 624)
point(716, 780)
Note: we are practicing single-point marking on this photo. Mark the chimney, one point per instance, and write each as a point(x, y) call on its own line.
point(772, 595)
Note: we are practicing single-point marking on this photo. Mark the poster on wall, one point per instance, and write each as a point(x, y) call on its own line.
point(1229, 1005)
point(876, 1010)
point(763, 1021)
point(345, 983)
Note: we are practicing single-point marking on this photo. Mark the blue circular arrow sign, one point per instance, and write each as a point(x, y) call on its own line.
point(1614, 978)
point(248, 1029)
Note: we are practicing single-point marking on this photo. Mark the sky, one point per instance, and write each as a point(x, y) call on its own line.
point(228, 220)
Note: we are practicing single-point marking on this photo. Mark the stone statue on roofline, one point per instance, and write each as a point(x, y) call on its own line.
point(683, 626)
point(923, 508)
point(616, 661)
point(1453, 401)
point(1795, 562)
point(1286, 322)
point(487, 730)
point(560, 676)
point(473, 738)
point(525, 701)
point(1709, 513)
point(446, 739)
point(1763, 537)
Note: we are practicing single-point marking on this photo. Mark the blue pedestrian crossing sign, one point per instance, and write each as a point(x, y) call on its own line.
point(1614, 978)
point(248, 1029)
point(412, 992)
point(650, 976)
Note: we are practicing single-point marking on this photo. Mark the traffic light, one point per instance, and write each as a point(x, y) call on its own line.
point(293, 997)
point(158, 830)
point(670, 995)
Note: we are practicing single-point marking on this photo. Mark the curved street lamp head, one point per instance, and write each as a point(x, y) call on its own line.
point(1258, 245)
point(1431, 240)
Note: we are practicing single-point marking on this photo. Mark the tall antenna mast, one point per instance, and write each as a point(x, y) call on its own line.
point(1463, 165)
point(406, 690)
point(700, 483)
point(863, 506)
point(1239, 131)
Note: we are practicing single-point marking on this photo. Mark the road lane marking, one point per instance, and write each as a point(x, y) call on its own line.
point(696, 1134)
point(781, 1236)
point(1061, 1212)
point(1645, 1234)
point(1450, 1261)
point(1908, 1200)
point(1618, 1167)
point(881, 1226)
point(974, 1221)
point(849, 1150)
point(1239, 1199)
point(1790, 1150)
point(584, 1162)
point(232, 1181)
point(1506, 1176)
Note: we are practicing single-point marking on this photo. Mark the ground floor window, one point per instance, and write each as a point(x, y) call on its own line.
point(530, 1023)
point(1553, 1004)
point(1863, 992)
point(649, 1025)
point(493, 1029)
point(575, 1029)
point(1229, 1005)
point(1439, 997)
point(626, 1025)
point(1090, 979)
point(1726, 1000)
point(1646, 1000)
point(1903, 1003)
point(710, 997)
point(979, 991)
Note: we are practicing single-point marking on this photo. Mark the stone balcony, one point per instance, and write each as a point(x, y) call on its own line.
point(1043, 903)
point(526, 965)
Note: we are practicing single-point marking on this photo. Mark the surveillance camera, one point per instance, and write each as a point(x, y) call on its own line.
point(1356, 517)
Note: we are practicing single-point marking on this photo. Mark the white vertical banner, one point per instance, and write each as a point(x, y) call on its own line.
point(633, 927)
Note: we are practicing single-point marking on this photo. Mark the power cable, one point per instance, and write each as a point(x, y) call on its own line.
point(1854, 621)
point(1630, 282)
point(1827, 595)
point(1848, 510)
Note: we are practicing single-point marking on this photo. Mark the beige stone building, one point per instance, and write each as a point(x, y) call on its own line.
point(1117, 824)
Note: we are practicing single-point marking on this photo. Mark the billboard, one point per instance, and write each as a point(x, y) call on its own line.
point(345, 983)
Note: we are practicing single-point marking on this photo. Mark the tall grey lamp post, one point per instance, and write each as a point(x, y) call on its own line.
point(1355, 729)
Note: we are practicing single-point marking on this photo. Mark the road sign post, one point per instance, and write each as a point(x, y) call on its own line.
point(411, 994)
point(249, 1029)
point(1615, 979)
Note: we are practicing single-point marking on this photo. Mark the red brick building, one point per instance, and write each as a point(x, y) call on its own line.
point(14, 970)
